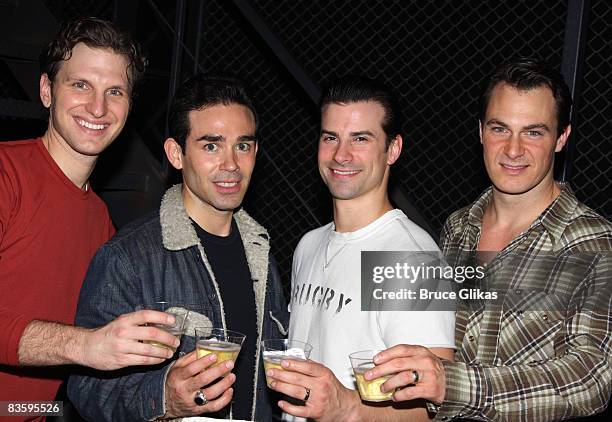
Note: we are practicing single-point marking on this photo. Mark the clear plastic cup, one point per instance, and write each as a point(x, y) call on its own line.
point(362, 362)
point(276, 350)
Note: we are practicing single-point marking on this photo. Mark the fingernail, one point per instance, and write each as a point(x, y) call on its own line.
point(270, 373)
point(376, 359)
point(285, 364)
point(212, 357)
point(368, 375)
point(229, 364)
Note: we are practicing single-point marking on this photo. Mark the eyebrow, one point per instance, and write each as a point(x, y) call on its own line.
point(361, 133)
point(211, 138)
point(537, 126)
point(219, 138)
point(329, 132)
point(528, 127)
point(358, 133)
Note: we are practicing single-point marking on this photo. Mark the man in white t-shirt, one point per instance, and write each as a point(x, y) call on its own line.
point(359, 142)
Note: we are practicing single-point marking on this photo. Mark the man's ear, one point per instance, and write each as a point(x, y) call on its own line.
point(174, 153)
point(394, 150)
point(45, 90)
point(480, 130)
point(562, 139)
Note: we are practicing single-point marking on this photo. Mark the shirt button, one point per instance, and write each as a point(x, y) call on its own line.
point(520, 314)
point(545, 317)
point(518, 291)
point(471, 338)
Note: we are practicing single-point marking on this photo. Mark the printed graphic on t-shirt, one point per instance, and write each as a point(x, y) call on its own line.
point(319, 297)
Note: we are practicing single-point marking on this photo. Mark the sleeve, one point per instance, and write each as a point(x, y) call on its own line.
point(576, 383)
point(111, 288)
point(12, 324)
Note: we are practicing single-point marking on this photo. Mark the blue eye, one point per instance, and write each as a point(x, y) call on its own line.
point(211, 147)
point(244, 147)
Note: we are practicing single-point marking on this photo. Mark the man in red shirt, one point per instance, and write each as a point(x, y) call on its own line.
point(51, 223)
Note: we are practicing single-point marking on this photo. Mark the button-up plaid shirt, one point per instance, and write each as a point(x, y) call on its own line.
point(544, 362)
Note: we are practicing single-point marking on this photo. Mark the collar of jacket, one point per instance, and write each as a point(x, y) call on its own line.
point(178, 234)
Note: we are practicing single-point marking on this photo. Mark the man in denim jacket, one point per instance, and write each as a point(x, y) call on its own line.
point(197, 253)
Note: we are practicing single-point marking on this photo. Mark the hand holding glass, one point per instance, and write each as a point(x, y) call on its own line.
point(176, 329)
point(368, 390)
point(225, 344)
point(276, 350)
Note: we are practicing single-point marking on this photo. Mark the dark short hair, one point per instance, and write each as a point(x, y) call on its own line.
point(202, 91)
point(353, 89)
point(94, 33)
point(526, 74)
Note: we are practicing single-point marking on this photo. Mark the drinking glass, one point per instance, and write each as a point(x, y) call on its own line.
point(176, 329)
point(224, 343)
point(362, 362)
point(277, 350)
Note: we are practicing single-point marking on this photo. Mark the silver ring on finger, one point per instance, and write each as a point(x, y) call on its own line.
point(200, 399)
point(415, 377)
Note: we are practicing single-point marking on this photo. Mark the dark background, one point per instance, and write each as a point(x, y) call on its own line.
point(435, 53)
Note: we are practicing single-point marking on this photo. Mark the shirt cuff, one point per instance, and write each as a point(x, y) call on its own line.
point(159, 408)
point(463, 395)
point(13, 331)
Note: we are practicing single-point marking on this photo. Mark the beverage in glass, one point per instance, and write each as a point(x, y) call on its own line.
point(224, 343)
point(368, 390)
point(276, 350)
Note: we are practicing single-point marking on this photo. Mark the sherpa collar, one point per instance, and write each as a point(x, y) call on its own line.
point(178, 232)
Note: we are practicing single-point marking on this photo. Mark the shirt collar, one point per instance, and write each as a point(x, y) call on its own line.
point(554, 218)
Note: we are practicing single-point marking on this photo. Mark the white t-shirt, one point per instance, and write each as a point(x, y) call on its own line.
point(325, 299)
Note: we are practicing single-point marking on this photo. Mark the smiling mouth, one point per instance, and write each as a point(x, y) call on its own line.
point(344, 172)
point(92, 126)
point(227, 184)
point(514, 167)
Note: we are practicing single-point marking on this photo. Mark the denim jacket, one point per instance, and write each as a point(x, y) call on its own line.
point(160, 258)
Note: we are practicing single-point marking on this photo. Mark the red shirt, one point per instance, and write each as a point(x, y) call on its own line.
point(49, 231)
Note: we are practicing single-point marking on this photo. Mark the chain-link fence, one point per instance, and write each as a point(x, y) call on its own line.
point(592, 163)
point(435, 54)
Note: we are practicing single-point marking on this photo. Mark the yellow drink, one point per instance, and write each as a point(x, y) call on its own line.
point(223, 349)
point(171, 330)
point(370, 390)
point(272, 362)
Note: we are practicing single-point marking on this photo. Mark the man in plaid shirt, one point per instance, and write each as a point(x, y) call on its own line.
point(543, 351)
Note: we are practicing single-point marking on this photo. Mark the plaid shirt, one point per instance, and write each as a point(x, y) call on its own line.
point(544, 361)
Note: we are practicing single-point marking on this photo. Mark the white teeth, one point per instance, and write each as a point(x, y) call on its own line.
point(227, 184)
point(90, 125)
point(344, 173)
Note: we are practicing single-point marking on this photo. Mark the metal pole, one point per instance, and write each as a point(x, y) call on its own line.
point(279, 50)
point(576, 29)
point(196, 60)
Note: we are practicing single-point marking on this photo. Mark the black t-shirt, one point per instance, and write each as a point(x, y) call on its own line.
point(228, 262)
